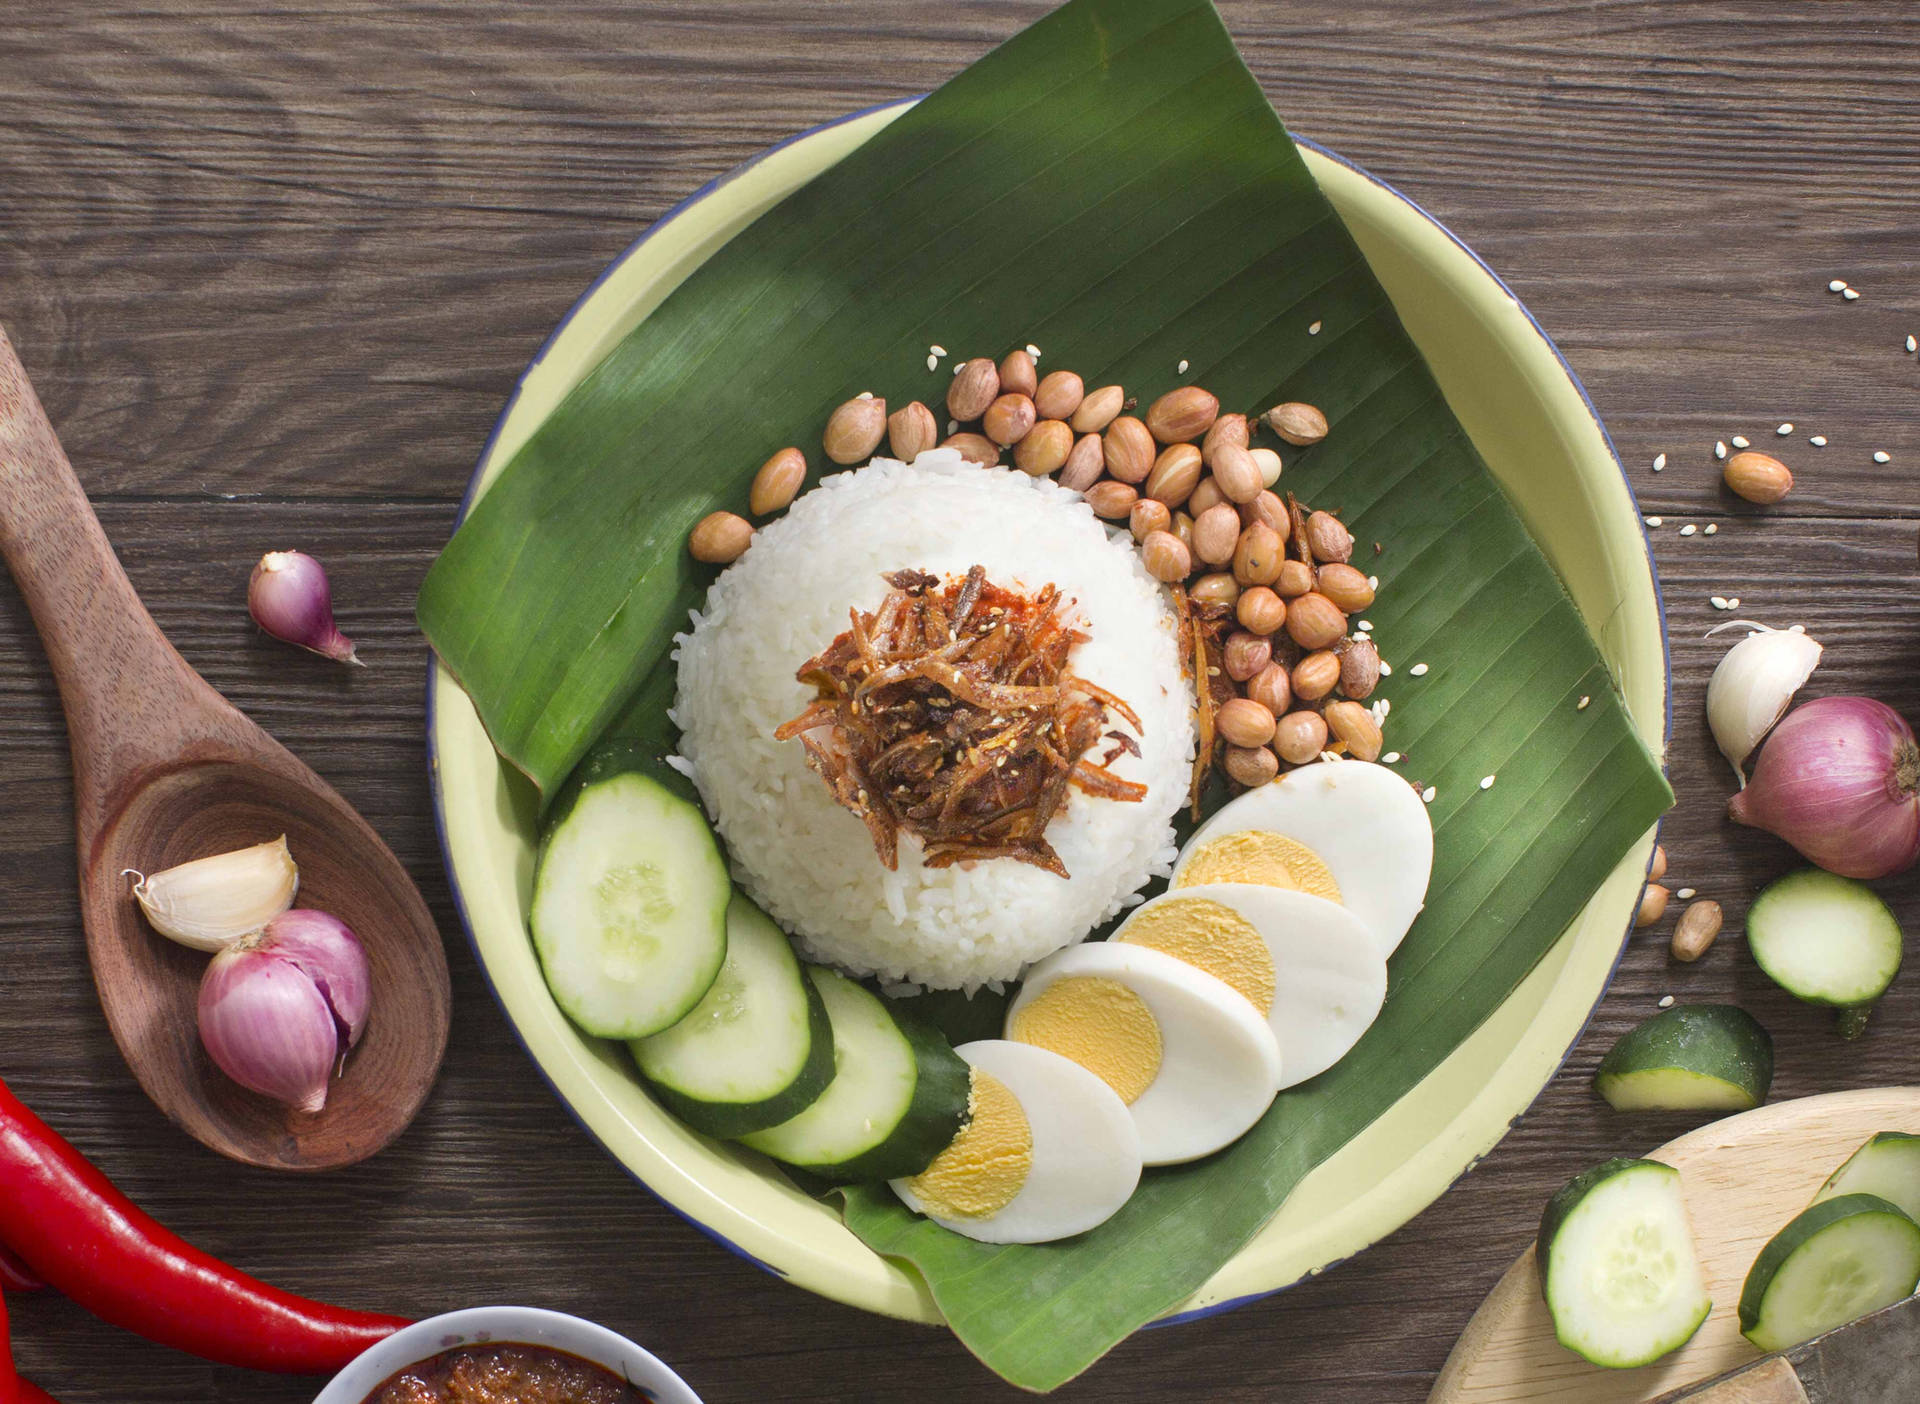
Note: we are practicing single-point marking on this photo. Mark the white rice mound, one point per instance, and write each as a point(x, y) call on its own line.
point(809, 862)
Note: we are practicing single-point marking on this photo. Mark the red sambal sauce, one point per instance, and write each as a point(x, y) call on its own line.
point(507, 1374)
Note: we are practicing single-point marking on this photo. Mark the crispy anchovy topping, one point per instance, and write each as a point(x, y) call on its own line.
point(950, 712)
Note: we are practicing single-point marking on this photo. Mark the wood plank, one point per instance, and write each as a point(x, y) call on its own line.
point(299, 257)
point(1743, 1179)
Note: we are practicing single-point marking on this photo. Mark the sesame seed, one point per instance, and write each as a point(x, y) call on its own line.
point(1837, 285)
point(1428, 794)
point(1850, 294)
point(953, 426)
point(1314, 330)
point(937, 350)
point(864, 395)
point(1684, 893)
point(1717, 601)
point(1386, 668)
point(1709, 529)
point(1913, 345)
point(1882, 456)
point(1659, 462)
point(1373, 582)
point(1379, 710)
point(1365, 626)
point(1666, 1001)
point(1486, 782)
point(1654, 521)
point(1033, 351)
point(1689, 529)
point(1419, 670)
point(1740, 441)
point(1581, 705)
point(1719, 449)
point(1390, 758)
point(1734, 602)
point(933, 362)
point(1329, 755)
point(1183, 366)
point(1786, 428)
point(1818, 441)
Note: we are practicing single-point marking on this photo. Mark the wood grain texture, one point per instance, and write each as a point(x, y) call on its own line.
point(1744, 1177)
point(276, 270)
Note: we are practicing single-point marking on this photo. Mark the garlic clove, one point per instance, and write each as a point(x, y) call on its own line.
point(1753, 686)
point(211, 902)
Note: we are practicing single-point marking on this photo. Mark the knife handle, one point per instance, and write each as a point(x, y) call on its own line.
point(1772, 1381)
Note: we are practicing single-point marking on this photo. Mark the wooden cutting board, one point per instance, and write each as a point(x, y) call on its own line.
point(1743, 1178)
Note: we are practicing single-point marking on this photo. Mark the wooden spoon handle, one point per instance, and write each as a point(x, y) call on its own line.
point(128, 695)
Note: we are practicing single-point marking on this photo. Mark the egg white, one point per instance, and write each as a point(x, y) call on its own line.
point(1219, 1064)
point(1365, 823)
point(1086, 1153)
point(1329, 976)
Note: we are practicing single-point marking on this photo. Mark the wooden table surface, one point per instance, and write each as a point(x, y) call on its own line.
point(275, 271)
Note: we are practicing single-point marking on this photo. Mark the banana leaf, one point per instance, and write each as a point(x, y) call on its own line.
point(1111, 185)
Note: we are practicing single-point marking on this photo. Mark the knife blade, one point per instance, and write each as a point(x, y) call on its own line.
point(1875, 1360)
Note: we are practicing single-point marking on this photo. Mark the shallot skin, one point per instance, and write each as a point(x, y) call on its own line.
point(1839, 779)
point(289, 596)
point(279, 1009)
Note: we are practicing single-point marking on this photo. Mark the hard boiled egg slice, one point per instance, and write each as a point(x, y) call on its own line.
point(1310, 967)
point(1048, 1151)
point(1349, 831)
point(1195, 1063)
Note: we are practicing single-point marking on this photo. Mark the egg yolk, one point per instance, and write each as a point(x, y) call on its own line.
point(1266, 859)
point(1210, 937)
point(984, 1168)
point(1100, 1024)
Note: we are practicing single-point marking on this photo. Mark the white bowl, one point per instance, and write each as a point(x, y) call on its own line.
point(513, 1325)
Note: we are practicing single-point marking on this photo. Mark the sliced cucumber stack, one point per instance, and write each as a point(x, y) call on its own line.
point(1617, 1265)
point(629, 898)
point(897, 1099)
point(756, 1050)
point(1837, 1260)
point(1826, 939)
point(1692, 1057)
point(1888, 1165)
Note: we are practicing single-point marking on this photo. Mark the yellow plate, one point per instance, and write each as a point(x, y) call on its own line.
point(1527, 414)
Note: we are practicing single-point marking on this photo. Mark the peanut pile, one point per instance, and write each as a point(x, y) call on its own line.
point(1264, 585)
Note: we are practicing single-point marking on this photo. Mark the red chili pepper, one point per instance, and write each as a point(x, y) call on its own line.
point(14, 1276)
point(31, 1393)
point(72, 1228)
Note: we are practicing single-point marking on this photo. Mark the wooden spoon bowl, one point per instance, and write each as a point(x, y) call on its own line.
point(166, 770)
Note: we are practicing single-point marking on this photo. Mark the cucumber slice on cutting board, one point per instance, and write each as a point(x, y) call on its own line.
point(756, 1050)
point(1692, 1057)
point(1839, 1259)
point(1617, 1265)
point(1824, 938)
point(1887, 1165)
point(898, 1095)
point(629, 898)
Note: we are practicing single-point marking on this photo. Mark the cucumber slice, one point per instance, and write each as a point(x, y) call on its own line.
point(1692, 1057)
point(1888, 1165)
point(1617, 1265)
point(898, 1095)
point(756, 1050)
point(1824, 938)
point(1837, 1260)
point(629, 899)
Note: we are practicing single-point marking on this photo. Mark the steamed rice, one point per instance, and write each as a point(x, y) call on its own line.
point(809, 862)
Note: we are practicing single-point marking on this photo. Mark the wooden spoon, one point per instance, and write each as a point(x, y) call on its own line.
point(166, 769)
